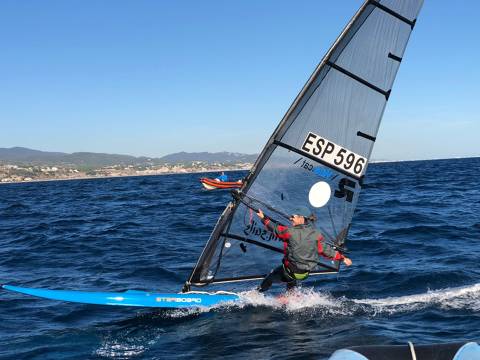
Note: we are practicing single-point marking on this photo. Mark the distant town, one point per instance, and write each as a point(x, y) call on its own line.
point(25, 165)
point(17, 173)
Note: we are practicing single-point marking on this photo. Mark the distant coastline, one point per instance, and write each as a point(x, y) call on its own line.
point(116, 176)
point(124, 175)
point(22, 165)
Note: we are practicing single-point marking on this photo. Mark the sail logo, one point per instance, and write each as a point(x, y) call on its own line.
point(334, 155)
point(262, 233)
point(319, 170)
point(344, 191)
point(178, 299)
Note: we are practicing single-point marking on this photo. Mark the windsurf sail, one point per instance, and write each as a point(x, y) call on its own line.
point(319, 153)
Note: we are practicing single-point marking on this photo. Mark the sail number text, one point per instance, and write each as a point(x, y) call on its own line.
point(334, 154)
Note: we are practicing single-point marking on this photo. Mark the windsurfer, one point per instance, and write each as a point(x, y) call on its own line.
point(303, 244)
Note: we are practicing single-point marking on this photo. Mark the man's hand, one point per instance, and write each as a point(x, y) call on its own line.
point(347, 261)
point(260, 214)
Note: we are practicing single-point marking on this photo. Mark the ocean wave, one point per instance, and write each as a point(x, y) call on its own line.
point(325, 304)
point(460, 298)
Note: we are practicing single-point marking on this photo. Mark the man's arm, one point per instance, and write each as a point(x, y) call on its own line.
point(328, 251)
point(280, 230)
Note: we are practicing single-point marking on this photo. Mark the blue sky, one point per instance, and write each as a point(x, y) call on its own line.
point(157, 77)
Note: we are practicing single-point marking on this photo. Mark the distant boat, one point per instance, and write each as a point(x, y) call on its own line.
point(212, 184)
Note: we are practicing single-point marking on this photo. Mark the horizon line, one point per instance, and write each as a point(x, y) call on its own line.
point(372, 161)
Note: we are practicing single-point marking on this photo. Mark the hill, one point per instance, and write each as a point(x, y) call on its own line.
point(25, 156)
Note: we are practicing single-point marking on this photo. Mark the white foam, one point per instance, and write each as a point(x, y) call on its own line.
point(117, 349)
point(307, 299)
point(465, 297)
point(185, 312)
point(322, 303)
point(296, 301)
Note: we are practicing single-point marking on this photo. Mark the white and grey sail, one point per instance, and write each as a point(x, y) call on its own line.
point(318, 154)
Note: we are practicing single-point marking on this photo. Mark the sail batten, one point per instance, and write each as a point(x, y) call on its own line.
point(359, 79)
point(393, 13)
point(319, 153)
point(394, 57)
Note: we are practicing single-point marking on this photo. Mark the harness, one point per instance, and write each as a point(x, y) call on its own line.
point(294, 275)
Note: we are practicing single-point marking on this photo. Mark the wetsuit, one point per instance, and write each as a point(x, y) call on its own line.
point(303, 244)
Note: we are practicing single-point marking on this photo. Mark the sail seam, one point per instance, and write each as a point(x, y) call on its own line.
point(311, 157)
point(359, 79)
point(393, 13)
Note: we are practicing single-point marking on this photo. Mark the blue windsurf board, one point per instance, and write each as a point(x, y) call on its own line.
point(131, 297)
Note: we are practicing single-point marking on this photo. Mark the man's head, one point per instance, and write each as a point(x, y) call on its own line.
point(301, 216)
point(297, 219)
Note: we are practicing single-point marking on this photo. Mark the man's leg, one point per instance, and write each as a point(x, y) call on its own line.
point(276, 275)
point(291, 285)
point(289, 278)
